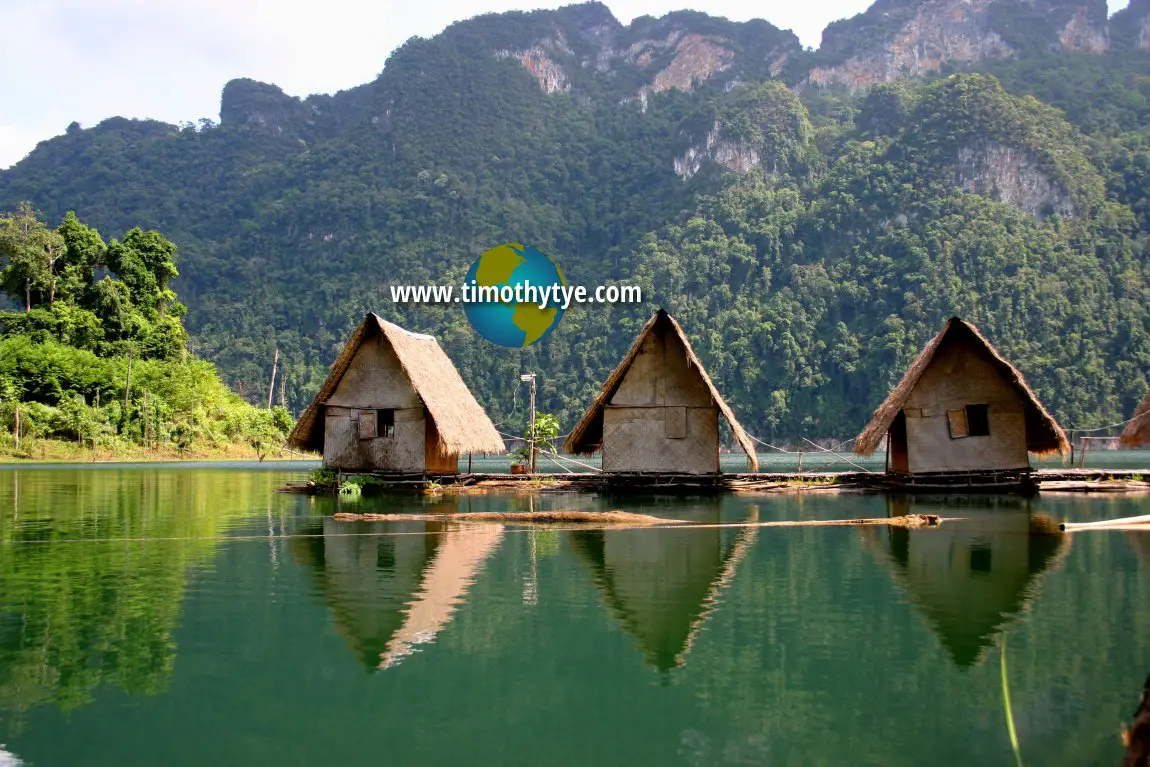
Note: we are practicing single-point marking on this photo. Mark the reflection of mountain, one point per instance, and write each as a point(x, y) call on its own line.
point(970, 576)
point(395, 586)
point(662, 583)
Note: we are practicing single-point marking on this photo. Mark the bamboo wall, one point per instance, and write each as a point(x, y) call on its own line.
point(373, 381)
point(959, 375)
point(661, 418)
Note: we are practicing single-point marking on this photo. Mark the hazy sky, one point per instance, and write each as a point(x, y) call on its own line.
point(85, 60)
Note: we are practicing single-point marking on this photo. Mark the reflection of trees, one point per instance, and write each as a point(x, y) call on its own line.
point(393, 586)
point(661, 584)
point(90, 589)
point(971, 575)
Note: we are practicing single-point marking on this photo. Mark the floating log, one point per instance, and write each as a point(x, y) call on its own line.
point(598, 517)
point(629, 519)
point(1136, 523)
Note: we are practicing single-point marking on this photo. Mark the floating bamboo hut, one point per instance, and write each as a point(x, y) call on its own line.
point(393, 402)
point(1137, 432)
point(962, 411)
point(658, 411)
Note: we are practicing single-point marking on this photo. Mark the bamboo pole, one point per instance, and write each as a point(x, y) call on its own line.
point(272, 382)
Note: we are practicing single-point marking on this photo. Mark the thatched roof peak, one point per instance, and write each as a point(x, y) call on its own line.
point(1043, 434)
point(587, 436)
point(462, 425)
point(1137, 432)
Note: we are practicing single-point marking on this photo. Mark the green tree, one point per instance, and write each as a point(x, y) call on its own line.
point(31, 252)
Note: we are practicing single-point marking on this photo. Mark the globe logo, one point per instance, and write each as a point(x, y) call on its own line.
point(515, 270)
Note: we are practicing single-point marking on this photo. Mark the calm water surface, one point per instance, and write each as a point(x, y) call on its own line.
point(193, 616)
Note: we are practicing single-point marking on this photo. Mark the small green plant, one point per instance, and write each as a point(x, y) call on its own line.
point(350, 488)
point(546, 430)
point(323, 476)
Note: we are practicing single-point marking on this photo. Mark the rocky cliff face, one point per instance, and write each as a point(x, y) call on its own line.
point(1012, 176)
point(677, 51)
point(1130, 27)
point(762, 129)
point(539, 62)
point(896, 38)
point(264, 107)
point(731, 153)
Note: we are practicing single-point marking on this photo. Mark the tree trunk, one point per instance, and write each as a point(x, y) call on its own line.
point(52, 291)
point(27, 294)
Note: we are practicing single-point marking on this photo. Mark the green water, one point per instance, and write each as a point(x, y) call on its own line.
point(193, 616)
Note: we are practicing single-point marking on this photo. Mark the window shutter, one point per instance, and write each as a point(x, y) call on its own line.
point(367, 424)
point(956, 419)
point(675, 422)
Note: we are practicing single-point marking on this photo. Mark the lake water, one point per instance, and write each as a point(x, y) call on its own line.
point(193, 616)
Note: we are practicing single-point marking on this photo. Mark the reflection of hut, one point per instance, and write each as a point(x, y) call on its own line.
point(1140, 542)
point(445, 584)
point(662, 584)
point(658, 411)
point(394, 402)
point(971, 575)
point(391, 592)
point(1137, 432)
point(961, 408)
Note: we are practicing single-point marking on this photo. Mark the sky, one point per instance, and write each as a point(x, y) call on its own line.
point(86, 60)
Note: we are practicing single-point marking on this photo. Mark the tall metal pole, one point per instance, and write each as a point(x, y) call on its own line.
point(532, 423)
point(531, 427)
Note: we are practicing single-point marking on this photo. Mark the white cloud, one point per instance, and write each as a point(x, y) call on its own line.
point(87, 60)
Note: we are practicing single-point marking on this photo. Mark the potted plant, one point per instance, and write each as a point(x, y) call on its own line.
point(521, 459)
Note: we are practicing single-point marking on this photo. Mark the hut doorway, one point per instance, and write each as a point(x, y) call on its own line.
point(899, 462)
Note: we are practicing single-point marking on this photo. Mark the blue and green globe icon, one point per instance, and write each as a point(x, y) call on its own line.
point(514, 323)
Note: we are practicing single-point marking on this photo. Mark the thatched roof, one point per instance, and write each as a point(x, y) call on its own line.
point(462, 425)
point(587, 436)
point(1043, 434)
point(1137, 432)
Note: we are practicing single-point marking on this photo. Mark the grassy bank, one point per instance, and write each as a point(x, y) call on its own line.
point(67, 451)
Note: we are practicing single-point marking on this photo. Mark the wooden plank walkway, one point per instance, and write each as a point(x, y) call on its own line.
point(1054, 480)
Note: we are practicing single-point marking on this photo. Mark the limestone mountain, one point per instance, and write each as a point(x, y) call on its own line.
point(908, 38)
point(809, 217)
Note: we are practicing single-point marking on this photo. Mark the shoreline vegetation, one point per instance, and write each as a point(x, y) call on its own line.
point(44, 451)
point(94, 364)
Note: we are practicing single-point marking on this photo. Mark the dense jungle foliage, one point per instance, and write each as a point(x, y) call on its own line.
point(1015, 194)
point(97, 320)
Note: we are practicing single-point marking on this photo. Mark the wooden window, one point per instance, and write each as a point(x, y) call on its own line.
point(970, 421)
point(675, 422)
point(956, 420)
point(367, 424)
point(386, 420)
point(978, 420)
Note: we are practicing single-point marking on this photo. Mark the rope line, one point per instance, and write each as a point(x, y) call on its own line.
point(1076, 430)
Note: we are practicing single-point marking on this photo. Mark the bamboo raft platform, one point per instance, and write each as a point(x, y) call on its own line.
point(1027, 483)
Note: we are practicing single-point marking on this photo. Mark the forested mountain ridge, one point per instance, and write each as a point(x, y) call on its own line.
point(810, 232)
